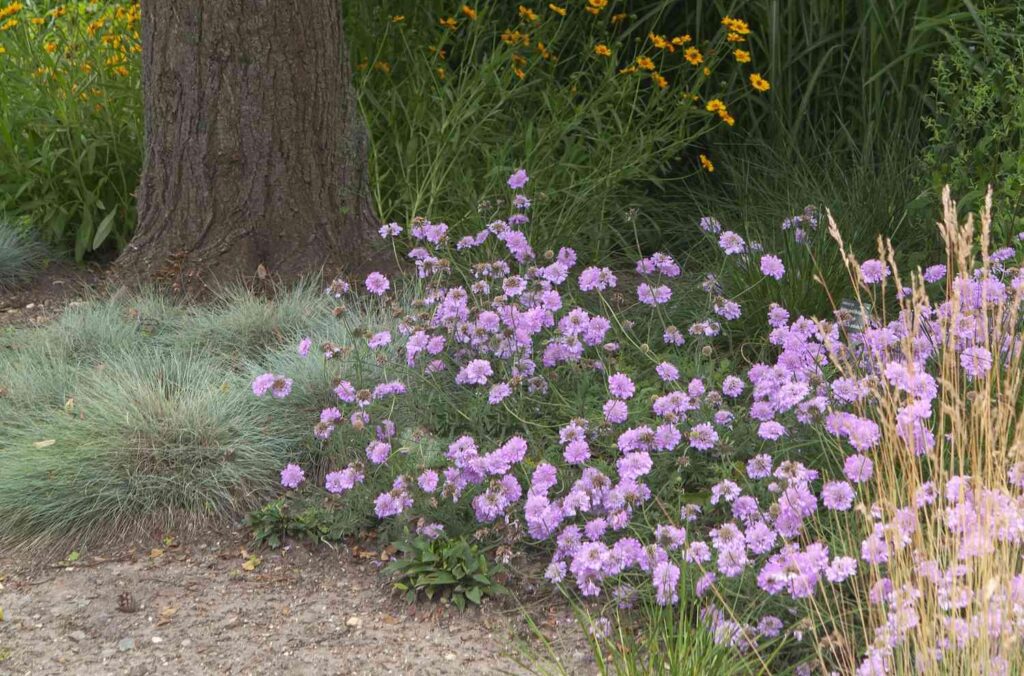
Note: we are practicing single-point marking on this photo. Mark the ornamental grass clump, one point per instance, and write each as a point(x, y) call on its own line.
point(797, 498)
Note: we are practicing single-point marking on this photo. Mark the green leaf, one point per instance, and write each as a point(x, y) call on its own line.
point(104, 229)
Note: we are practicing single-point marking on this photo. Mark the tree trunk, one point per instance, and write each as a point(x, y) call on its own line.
point(255, 151)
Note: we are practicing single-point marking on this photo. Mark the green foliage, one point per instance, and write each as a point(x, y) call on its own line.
point(20, 255)
point(71, 121)
point(299, 520)
point(446, 568)
point(977, 126)
point(603, 147)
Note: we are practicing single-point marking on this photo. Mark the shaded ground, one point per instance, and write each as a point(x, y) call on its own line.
point(60, 283)
point(213, 608)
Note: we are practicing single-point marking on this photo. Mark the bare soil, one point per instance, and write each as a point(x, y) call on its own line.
point(211, 607)
point(50, 290)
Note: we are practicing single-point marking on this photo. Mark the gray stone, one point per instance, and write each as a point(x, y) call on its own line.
point(126, 644)
point(77, 636)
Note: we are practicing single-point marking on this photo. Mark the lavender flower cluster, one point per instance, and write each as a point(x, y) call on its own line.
point(509, 326)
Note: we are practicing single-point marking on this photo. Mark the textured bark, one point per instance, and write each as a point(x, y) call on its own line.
point(255, 151)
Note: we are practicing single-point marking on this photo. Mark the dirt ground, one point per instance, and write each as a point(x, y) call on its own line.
point(54, 287)
point(213, 607)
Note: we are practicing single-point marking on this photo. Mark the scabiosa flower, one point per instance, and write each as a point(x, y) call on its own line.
point(771, 430)
point(658, 295)
point(498, 393)
point(621, 386)
point(616, 411)
point(576, 452)
point(703, 437)
point(976, 361)
point(667, 372)
point(666, 583)
point(344, 480)
point(428, 481)
point(858, 468)
point(390, 230)
point(379, 340)
point(518, 179)
point(728, 309)
point(596, 279)
point(934, 273)
point(281, 387)
point(873, 271)
point(304, 346)
point(378, 452)
point(732, 386)
point(377, 284)
point(731, 243)
point(837, 495)
point(475, 372)
point(759, 467)
point(710, 225)
point(771, 266)
point(262, 383)
point(292, 475)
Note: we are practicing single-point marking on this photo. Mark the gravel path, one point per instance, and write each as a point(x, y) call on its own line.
point(212, 608)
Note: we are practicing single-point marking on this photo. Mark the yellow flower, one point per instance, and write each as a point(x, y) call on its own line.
point(645, 62)
point(50, 47)
point(9, 24)
point(450, 23)
point(469, 12)
point(693, 55)
point(714, 106)
point(519, 72)
point(527, 13)
point(440, 73)
point(742, 56)
point(515, 38)
point(382, 66)
point(759, 83)
point(736, 25)
point(628, 70)
point(11, 9)
point(735, 37)
point(602, 49)
point(544, 52)
point(439, 53)
point(362, 65)
point(660, 42)
point(727, 118)
point(86, 68)
point(659, 80)
point(519, 59)
point(560, 11)
point(681, 40)
point(3, 50)
point(122, 71)
point(707, 71)
point(618, 18)
point(595, 6)
point(707, 164)
point(398, 18)
point(37, 21)
point(58, 12)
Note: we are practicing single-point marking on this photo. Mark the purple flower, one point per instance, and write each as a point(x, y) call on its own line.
point(379, 340)
point(837, 495)
point(771, 266)
point(498, 393)
point(731, 243)
point(703, 437)
point(377, 284)
point(304, 346)
point(858, 468)
point(667, 372)
point(621, 386)
point(873, 271)
point(428, 481)
point(475, 372)
point(262, 383)
point(344, 480)
point(518, 179)
point(771, 430)
point(292, 475)
point(616, 411)
point(666, 583)
point(977, 361)
point(658, 295)
point(934, 273)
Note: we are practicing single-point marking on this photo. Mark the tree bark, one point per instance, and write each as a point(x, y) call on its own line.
point(255, 152)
